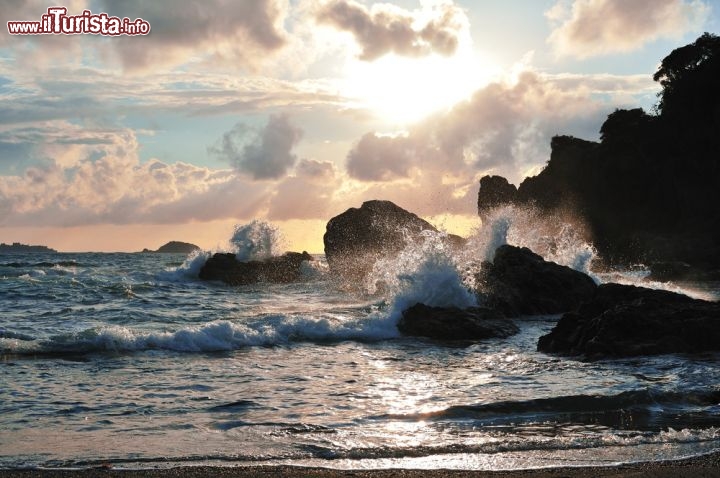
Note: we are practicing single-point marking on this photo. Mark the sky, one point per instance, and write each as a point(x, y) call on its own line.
point(292, 111)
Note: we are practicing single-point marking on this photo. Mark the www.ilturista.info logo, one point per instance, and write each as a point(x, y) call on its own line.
point(58, 22)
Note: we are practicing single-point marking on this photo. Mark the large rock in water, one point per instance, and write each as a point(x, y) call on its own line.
point(452, 323)
point(357, 238)
point(495, 191)
point(280, 269)
point(624, 321)
point(520, 282)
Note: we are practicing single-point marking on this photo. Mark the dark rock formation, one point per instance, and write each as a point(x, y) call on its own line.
point(357, 238)
point(176, 247)
point(678, 271)
point(495, 191)
point(520, 282)
point(452, 323)
point(623, 321)
point(649, 189)
point(280, 269)
point(23, 248)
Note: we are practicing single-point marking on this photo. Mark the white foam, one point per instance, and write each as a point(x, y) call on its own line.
point(558, 238)
point(425, 272)
point(256, 241)
point(221, 335)
point(253, 241)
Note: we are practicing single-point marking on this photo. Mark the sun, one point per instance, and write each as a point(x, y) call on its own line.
point(403, 90)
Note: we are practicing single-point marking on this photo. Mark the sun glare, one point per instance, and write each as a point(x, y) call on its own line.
point(405, 90)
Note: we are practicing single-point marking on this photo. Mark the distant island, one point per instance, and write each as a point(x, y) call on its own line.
point(17, 247)
point(175, 247)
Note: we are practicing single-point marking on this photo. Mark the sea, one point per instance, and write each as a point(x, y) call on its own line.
point(128, 360)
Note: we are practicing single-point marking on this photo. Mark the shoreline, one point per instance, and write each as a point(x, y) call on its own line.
point(700, 466)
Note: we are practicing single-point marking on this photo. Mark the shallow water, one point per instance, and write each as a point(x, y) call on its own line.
point(126, 359)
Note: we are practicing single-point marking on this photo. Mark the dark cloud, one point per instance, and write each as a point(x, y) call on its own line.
point(242, 32)
point(264, 154)
point(386, 29)
point(311, 168)
point(382, 158)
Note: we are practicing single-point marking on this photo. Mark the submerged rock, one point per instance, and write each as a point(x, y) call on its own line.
point(520, 282)
point(624, 321)
point(280, 269)
point(357, 238)
point(452, 323)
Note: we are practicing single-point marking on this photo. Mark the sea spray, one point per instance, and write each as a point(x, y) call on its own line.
point(560, 237)
point(256, 241)
point(424, 272)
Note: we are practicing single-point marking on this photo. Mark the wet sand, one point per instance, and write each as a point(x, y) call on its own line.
point(707, 466)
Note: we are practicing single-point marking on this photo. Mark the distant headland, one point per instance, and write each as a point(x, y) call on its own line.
point(175, 247)
point(17, 247)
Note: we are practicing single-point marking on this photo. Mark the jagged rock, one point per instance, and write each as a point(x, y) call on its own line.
point(520, 282)
point(452, 323)
point(624, 321)
point(357, 238)
point(681, 271)
point(495, 191)
point(648, 191)
point(280, 269)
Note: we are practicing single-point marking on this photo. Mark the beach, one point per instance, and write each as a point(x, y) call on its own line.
point(706, 466)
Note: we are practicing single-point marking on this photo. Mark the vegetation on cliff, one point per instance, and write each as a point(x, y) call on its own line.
point(649, 190)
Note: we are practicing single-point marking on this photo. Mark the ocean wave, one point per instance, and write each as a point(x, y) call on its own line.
point(45, 264)
point(636, 409)
point(217, 336)
point(520, 442)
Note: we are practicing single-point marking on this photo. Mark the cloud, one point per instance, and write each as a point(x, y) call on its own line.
point(382, 158)
point(599, 27)
point(504, 128)
point(263, 154)
point(98, 179)
point(240, 33)
point(321, 170)
point(385, 28)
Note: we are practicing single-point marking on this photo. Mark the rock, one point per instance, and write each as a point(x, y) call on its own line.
point(23, 248)
point(678, 271)
point(495, 191)
point(357, 238)
point(452, 323)
point(177, 247)
point(625, 321)
point(648, 190)
point(280, 269)
point(520, 282)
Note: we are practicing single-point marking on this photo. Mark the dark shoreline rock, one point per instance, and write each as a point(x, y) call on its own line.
point(520, 282)
point(455, 324)
point(280, 269)
point(17, 247)
point(649, 189)
point(626, 321)
point(357, 238)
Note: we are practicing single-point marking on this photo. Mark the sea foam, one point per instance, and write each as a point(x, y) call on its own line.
point(216, 336)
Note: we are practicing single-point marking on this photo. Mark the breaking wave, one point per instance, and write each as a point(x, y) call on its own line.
point(217, 336)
